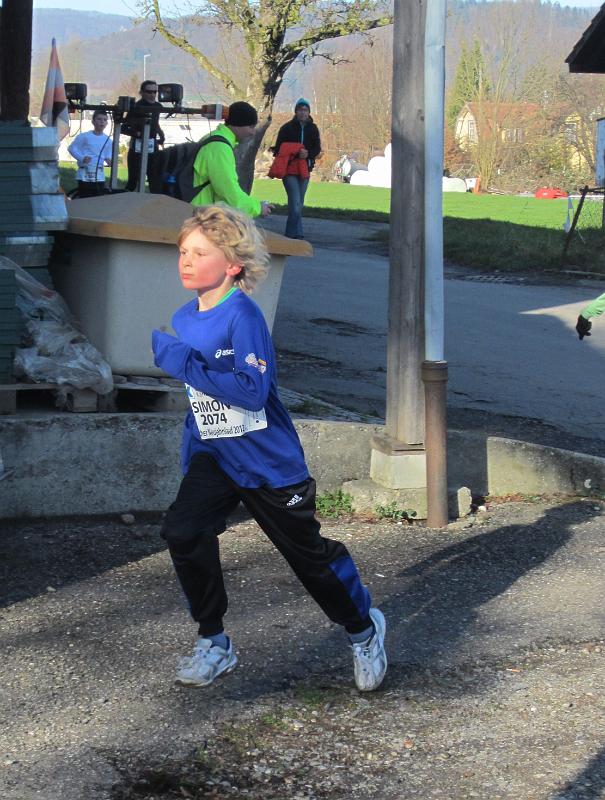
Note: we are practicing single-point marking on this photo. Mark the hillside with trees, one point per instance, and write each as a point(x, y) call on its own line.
point(519, 49)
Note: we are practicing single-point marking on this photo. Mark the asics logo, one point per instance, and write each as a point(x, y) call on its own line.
point(294, 500)
point(220, 353)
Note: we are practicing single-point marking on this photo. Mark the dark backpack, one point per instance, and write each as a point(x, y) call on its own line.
point(173, 169)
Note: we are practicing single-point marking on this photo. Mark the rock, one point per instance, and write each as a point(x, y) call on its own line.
point(460, 503)
point(128, 519)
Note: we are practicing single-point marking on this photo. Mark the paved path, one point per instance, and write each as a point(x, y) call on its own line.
point(511, 348)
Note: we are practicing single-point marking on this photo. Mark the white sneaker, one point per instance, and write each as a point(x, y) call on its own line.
point(369, 657)
point(207, 663)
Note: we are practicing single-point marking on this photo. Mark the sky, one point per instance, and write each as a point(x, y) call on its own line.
point(128, 7)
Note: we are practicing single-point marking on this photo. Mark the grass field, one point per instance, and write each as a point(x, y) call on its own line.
point(490, 232)
point(368, 201)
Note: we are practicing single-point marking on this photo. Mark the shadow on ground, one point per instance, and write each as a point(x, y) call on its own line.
point(587, 784)
point(440, 595)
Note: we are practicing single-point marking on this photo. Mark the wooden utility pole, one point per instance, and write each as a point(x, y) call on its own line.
point(405, 349)
point(404, 458)
point(15, 59)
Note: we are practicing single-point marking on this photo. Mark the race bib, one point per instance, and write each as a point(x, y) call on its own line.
point(216, 420)
point(138, 145)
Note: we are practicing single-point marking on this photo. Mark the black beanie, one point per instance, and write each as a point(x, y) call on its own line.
point(242, 114)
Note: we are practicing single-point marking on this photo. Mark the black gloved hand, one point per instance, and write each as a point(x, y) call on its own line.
point(583, 327)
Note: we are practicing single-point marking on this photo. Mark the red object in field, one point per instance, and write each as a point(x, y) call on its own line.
point(549, 193)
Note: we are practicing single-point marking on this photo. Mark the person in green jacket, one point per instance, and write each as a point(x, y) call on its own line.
point(214, 168)
point(594, 309)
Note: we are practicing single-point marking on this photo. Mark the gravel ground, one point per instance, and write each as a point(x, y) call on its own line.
point(494, 689)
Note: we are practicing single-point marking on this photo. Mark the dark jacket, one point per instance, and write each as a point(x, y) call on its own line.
point(307, 134)
point(135, 122)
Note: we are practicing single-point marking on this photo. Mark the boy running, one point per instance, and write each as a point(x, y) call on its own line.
point(239, 444)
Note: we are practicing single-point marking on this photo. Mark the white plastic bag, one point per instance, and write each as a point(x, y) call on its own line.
point(59, 352)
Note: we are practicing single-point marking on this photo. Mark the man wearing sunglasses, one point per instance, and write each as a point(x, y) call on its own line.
point(134, 125)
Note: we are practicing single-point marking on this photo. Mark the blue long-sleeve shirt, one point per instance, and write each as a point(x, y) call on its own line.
point(227, 353)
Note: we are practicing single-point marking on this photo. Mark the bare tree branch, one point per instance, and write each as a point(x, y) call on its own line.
point(334, 30)
point(153, 7)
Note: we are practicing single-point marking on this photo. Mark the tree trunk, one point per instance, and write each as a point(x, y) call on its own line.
point(246, 153)
point(15, 59)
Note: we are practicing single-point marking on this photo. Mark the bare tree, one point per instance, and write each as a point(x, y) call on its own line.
point(571, 105)
point(582, 97)
point(274, 34)
point(495, 114)
point(354, 116)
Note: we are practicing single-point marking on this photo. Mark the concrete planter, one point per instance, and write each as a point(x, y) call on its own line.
point(116, 269)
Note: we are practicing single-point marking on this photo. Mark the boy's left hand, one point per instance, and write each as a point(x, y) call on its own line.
point(162, 344)
point(161, 338)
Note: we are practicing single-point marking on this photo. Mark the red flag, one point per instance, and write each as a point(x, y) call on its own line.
point(54, 105)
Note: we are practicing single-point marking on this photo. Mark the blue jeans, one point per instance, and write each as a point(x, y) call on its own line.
point(295, 189)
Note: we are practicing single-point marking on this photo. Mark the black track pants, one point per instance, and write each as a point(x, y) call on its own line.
point(287, 515)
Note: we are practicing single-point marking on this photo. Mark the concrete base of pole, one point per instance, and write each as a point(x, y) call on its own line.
point(367, 497)
point(397, 465)
point(434, 377)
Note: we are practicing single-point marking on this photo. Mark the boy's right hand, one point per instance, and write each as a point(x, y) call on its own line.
point(265, 208)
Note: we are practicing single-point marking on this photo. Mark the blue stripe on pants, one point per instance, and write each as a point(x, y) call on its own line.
point(345, 570)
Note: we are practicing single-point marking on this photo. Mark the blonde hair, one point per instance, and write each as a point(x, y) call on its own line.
point(236, 235)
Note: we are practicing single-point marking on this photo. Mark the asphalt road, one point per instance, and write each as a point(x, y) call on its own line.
point(511, 347)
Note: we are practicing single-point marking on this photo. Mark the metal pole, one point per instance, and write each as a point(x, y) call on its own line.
point(144, 154)
point(115, 155)
point(574, 222)
point(434, 93)
point(603, 210)
point(434, 375)
point(434, 369)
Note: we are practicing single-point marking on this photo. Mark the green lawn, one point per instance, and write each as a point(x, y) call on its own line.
point(511, 233)
point(342, 197)
point(491, 232)
point(331, 199)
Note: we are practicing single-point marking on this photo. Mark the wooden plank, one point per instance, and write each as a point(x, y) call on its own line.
point(146, 397)
point(9, 393)
point(81, 401)
point(152, 218)
point(8, 400)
